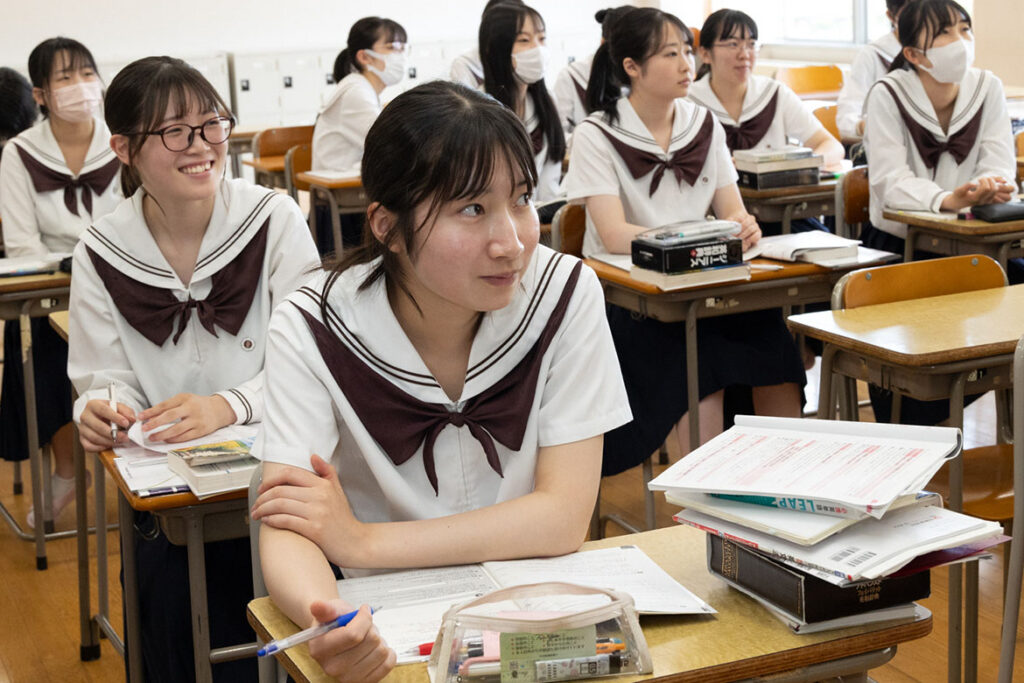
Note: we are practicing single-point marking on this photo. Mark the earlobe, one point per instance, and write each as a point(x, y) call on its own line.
point(38, 96)
point(382, 222)
point(630, 67)
point(119, 143)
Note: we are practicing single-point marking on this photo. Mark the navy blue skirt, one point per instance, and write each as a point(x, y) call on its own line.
point(753, 349)
point(53, 389)
point(351, 230)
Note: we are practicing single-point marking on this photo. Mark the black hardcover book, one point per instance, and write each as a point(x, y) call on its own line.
point(669, 257)
point(769, 181)
point(805, 596)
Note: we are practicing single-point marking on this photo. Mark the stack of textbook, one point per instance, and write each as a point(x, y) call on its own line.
point(689, 253)
point(213, 468)
point(825, 523)
point(780, 167)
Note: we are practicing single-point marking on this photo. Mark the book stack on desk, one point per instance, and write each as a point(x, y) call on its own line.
point(689, 253)
point(781, 167)
point(213, 468)
point(825, 523)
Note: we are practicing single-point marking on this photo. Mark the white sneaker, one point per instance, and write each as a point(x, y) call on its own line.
point(60, 499)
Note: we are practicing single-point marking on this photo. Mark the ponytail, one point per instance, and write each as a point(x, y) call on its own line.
point(344, 64)
point(603, 89)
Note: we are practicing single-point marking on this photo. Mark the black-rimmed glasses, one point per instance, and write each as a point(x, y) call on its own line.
point(180, 136)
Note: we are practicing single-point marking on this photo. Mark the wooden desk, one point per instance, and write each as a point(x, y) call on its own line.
point(823, 95)
point(186, 521)
point(932, 348)
point(741, 641)
point(23, 298)
point(950, 237)
point(1020, 168)
point(343, 194)
point(268, 171)
point(788, 203)
point(795, 284)
point(239, 143)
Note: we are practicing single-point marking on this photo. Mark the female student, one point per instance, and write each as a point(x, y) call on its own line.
point(571, 85)
point(469, 372)
point(938, 138)
point(373, 59)
point(56, 178)
point(757, 112)
point(18, 110)
point(170, 303)
point(645, 160)
point(513, 52)
point(466, 68)
point(870, 63)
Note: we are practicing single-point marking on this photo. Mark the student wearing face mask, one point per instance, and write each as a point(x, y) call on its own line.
point(373, 59)
point(56, 178)
point(466, 68)
point(938, 138)
point(514, 56)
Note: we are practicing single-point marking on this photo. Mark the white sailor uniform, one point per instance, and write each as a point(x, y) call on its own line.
point(870, 63)
point(570, 93)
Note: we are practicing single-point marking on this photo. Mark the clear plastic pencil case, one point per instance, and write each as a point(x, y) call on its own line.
point(539, 632)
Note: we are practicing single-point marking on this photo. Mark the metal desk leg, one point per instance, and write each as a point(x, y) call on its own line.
point(956, 502)
point(90, 645)
point(31, 425)
point(826, 408)
point(692, 376)
point(1011, 599)
point(908, 244)
point(787, 218)
point(197, 593)
point(956, 418)
point(18, 487)
point(132, 626)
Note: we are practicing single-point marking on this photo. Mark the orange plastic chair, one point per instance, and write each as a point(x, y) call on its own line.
point(275, 142)
point(827, 116)
point(811, 79)
point(852, 201)
point(567, 228)
point(297, 160)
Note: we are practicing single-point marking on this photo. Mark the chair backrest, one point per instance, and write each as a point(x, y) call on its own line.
point(827, 116)
point(852, 199)
point(567, 228)
point(809, 79)
point(917, 279)
point(297, 160)
point(273, 142)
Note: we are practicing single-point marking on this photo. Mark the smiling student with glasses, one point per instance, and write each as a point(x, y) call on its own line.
point(170, 305)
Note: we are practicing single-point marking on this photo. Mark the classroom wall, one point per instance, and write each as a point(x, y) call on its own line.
point(999, 26)
point(121, 30)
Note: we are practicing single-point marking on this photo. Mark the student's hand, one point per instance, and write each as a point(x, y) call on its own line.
point(355, 652)
point(750, 231)
point(313, 505)
point(94, 429)
point(196, 415)
point(988, 190)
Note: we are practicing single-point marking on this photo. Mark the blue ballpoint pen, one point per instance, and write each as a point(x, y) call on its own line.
point(307, 635)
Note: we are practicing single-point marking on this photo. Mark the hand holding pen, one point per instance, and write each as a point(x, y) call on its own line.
point(103, 420)
point(355, 652)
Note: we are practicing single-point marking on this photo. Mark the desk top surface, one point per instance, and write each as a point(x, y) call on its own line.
point(60, 322)
point(329, 180)
point(242, 134)
point(922, 332)
point(157, 503)
point(741, 641)
point(955, 226)
point(270, 164)
point(28, 283)
point(610, 274)
point(825, 189)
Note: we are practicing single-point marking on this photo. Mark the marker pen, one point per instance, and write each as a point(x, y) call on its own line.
point(580, 667)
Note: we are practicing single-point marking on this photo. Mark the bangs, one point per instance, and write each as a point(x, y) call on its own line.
point(538, 20)
point(63, 53)
point(393, 32)
point(72, 59)
point(177, 93)
point(934, 17)
point(671, 22)
point(739, 25)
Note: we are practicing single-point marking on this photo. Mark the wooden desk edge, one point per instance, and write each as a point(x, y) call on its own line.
point(824, 189)
point(59, 321)
point(956, 226)
point(27, 283)
point(157, 503)
point(327, 182)
point(610, 274)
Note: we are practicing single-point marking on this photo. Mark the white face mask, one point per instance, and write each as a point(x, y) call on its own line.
point(530, 64)
point(394, 66)
point(77, 102)
point(950, 62)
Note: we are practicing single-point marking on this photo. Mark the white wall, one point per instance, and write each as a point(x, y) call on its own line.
point(122, 30)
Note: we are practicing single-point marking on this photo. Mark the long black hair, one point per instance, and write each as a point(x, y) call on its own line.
point(138, 98)
point(498, 30)
point(43, 56)
point(636, 34)
point(363, 34)
point(921, 21)
point(724, 25)
point(435, 143)
point(19, 109)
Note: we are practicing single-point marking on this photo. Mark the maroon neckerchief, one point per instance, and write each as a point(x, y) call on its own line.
point(686, 162)
point(537, 139)
point(45, 179)
point(153, 310)
point(959, 144)
point(749, 133)
point(400, 422)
